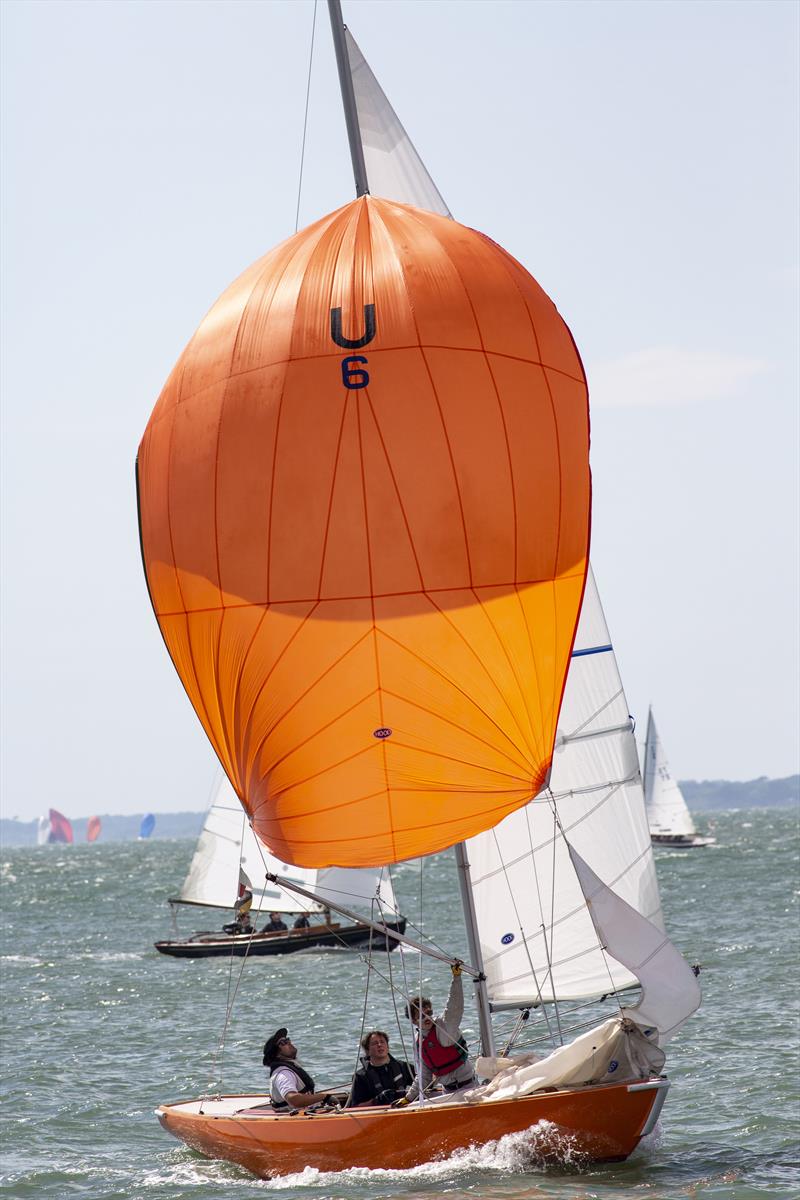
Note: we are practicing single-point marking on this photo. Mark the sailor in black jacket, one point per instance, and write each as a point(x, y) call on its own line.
point(381, 1079)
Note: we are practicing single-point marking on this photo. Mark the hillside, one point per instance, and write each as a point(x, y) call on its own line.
point(755, 793)
point(701, 796)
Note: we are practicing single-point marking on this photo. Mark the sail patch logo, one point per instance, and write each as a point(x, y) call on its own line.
point(381, 733)
point(507, 939)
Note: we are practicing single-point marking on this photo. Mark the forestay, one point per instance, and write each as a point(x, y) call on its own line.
point(213, 874)
point(537, 937)
point(666, 807)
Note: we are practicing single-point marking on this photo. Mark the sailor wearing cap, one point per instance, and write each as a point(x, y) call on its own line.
point(290, 1085)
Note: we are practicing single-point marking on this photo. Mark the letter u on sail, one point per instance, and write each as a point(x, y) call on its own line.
point(411, 554)
point(353, 343)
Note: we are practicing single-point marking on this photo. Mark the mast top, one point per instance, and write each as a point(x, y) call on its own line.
point(348, 98)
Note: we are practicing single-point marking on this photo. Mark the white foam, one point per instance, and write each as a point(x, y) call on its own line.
point(515, 1152)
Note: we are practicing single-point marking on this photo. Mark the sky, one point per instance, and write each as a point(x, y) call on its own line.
point(639, 158)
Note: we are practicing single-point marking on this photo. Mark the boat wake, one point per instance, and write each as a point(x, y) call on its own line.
point(542, 1146)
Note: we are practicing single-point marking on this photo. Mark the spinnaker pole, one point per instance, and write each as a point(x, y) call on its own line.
point(378, 926)
point(473, 941)
point(348, 98)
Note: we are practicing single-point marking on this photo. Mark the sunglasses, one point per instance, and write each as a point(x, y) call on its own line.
point(283, 1041)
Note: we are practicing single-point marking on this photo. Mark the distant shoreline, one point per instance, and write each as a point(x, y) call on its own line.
point(701, 796)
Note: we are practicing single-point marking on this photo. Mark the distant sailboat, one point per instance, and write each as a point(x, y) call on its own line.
point(54, 828)
point(228, 851)
point(93, 828)
point(147, 826)
point(670, 821)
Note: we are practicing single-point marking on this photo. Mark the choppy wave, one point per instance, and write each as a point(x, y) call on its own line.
point(543, 1145)
point(100, 1029)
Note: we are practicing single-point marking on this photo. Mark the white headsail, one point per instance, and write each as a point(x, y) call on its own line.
point(670, 991)
point(536, 934)
point(213, 876)
point(666, 808)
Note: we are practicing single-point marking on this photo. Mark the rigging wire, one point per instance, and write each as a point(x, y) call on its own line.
point(519, 918)
point(305, 120)
point(552, 922)
point(366, 998)
point(392, 989)
point(230, 1000)
point(528, 825)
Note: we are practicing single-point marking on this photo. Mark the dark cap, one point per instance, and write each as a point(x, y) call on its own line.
point(271, 1045)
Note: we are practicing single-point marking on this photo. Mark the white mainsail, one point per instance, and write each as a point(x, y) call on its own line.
point(227, 839)
point(394, 169)
point(666, 808)
point(536, 934)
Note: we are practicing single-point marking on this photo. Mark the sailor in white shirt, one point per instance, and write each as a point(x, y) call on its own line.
point(291, 1086)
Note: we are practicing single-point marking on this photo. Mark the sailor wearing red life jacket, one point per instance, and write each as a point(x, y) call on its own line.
point(441, 1050)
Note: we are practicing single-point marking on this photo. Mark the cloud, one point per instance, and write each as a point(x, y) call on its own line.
point(666, 375)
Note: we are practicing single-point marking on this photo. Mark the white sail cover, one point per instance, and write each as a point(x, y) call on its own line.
point(213, 878)
point(670, 991)
point(666, 807)
point(536, 935)
point(42, 831)
point(394, 169)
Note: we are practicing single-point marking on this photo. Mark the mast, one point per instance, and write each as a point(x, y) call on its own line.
point(348, 98)
point(473, 941)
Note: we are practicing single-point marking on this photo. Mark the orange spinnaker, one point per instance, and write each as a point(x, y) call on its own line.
point(364, 508)
point(93, 827)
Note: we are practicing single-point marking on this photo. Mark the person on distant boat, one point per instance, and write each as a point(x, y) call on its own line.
point(441, 1050)
point(302, 922)
point(381, 1079)
point(274, 924)
point(241, 922)
point(290, 1085)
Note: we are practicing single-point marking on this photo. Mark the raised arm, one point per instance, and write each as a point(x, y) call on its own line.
point(449, 1024)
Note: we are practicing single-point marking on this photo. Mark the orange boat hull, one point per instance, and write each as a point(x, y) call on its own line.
point(603, 1124)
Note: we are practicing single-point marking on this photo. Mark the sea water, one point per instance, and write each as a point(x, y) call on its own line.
point(98, 1029)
